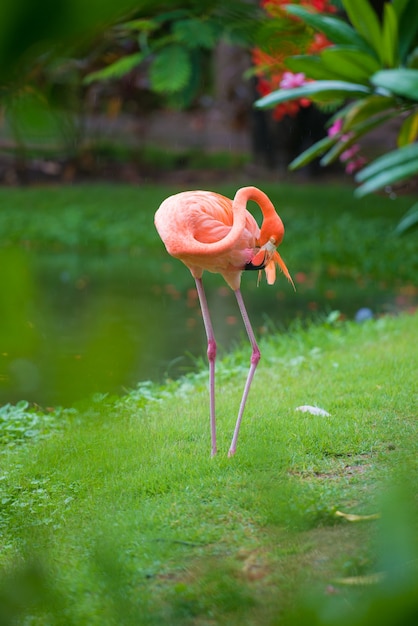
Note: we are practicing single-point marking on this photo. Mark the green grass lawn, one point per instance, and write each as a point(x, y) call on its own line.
point(116, 514)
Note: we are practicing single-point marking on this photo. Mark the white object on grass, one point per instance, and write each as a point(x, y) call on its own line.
point(313, 410)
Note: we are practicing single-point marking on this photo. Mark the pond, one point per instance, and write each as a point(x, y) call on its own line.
point(74, 324)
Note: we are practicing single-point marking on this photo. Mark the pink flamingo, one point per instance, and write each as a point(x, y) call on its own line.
point(208, 231)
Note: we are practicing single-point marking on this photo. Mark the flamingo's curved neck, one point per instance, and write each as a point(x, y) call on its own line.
point(272, 226)
point(245, 194)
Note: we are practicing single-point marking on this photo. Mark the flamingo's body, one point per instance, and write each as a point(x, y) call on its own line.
point(208, 231)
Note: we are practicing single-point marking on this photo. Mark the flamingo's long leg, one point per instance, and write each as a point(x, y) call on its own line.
point(211, 357)
point(255, 357)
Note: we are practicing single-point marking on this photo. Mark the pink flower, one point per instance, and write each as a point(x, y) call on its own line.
point(290, 80)
point(348, 154)
point(336, 127)
point(355, 164)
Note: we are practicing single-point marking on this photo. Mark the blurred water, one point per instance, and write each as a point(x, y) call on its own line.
point(76, 324)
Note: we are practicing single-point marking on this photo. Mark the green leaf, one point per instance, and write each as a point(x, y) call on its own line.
point(162, 42)
point(390, 35)
point(389, 160)
point(409, 130)
point(117, 69)
point(408, 29)
point(320, 89)
point(402, 82)
point(349, 63)
point(399, 6)
point(311, 65)
point(195, 33)
point(412, 59)
point(343, 112)
point(184, 97)
point(339, 147)
point(171, 16)
point(387, 177)
point(336, 30)
point(366, 108)
point(409, 220)
point(142, 25)
point(374, 122)
point(170, 69)
point(312, 152)
point(31, 116)
point(365, 22)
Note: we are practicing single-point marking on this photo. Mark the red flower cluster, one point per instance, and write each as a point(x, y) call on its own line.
point(271, 70)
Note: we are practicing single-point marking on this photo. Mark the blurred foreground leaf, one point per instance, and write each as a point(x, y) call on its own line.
point(30, 28)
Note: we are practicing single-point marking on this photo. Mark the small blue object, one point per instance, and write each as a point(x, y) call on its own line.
point(363, 315)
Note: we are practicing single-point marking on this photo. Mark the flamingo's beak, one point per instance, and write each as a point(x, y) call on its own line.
point(263, 257)
point(266, 259)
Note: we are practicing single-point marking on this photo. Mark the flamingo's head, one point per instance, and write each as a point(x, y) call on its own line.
point(266, 257)
point(271, 235)
point(272, 231)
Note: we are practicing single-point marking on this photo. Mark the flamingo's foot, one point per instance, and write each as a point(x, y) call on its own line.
point(214, 452)
point(231, 452)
